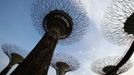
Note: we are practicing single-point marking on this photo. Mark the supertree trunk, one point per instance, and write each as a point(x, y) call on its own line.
point(64, 63)
point(118, 27)
point(15, 54)
point(106, 66)
point(58, 20)
point(5, 70)
point(60, 72)
point(124, 59)
point(40, 56)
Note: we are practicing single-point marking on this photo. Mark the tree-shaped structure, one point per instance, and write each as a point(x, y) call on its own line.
point(63, 20)
point(15, 54)
point(118, 26)
point(64, 63)
point(105, 65)
point(72, 12)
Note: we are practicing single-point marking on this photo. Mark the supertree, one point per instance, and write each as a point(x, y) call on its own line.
point(118, 26)
point(15, 54)
point(64, 20)
point(64, 63)
point(105, 65)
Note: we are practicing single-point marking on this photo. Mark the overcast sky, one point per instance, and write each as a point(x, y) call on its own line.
point(16, 27)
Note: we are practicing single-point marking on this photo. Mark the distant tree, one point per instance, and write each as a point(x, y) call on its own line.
point(64, 63)
point(105, 65)
point(118, 26)
point(58, 20)
point(15, 54)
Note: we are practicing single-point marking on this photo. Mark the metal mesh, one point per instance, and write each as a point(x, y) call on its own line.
point(74, 8)
point(71, 61)
point(114, 19)
point(99, 64)
point(8, 49)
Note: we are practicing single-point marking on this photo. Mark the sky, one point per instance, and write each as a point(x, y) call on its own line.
point(16, 27)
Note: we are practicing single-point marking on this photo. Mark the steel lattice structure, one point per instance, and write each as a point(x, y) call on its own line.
point(15, 54)
point(99, 65)
point(113, 26)
point(58, 20)
point(64, 63)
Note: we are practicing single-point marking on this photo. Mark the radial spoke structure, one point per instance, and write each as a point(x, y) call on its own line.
point(104, 65)
point(118, 26)
point(57, 20)
point(64, 63)
point(15, 54)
